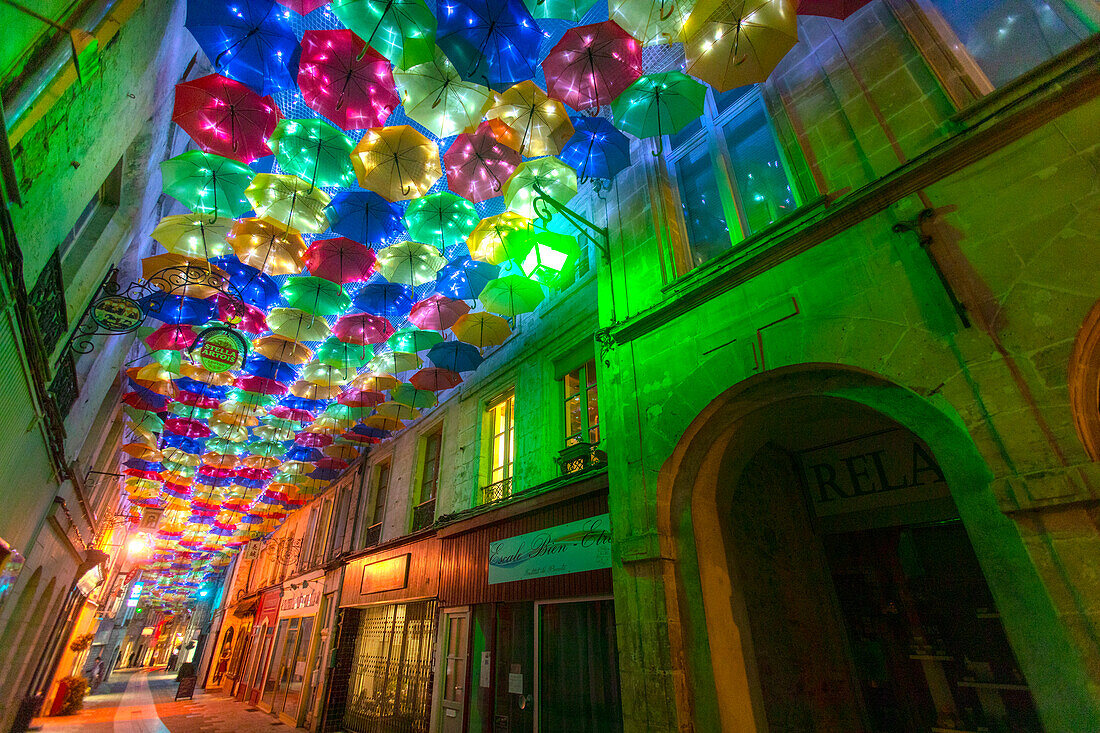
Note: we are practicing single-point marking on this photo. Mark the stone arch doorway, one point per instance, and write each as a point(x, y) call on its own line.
point(775, 653)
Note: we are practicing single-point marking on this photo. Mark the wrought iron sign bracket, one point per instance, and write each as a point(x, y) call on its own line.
point(543, 202)
point(916, 226)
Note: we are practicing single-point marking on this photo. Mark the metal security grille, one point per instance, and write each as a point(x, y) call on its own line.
point(391, 677)
point(64, 388)
point(48, 300)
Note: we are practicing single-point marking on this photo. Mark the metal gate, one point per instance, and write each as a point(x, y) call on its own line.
point(390, 686)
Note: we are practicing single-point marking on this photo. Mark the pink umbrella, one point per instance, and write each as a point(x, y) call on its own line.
point(197, 400)
point(313, 440)
point(592, 64)
point(352, 88)
point(290, 413)
point(173, 336)
point(434, 379)
point(262, 385)
point(478, 164)
point(252, 319)
point(187, 427)
point(340, 260)
point(361, 398)
point(437, 312)
point(225, 117)
point(331, 463)
point(362, 328)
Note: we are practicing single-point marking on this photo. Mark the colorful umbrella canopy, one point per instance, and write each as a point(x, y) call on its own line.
point(489, 41)
point(207, 183)
point(541, 124)
point(346, 81)
point(731, 43)
point(659, 104)
point(464, 277)
point(397, 163)
point(440, 219)
point(437, 312)
point(592, 64)
point(478, 164)
point(597, 149)
point(264, 247)
point(362, 328)
point(225, 117)
point(245, 40)
point(410, 263)
point(340, 260)
point(435, 95)
point(651, 21)
point(533, 178)
point(194, 235)
point(402, 30)
point(489, 241)
point(364, 216)
point(572, 10)
point(315, 151)
point(289, 200)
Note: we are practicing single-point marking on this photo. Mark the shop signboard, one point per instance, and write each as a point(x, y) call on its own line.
point(268, 608)
point(568, 548)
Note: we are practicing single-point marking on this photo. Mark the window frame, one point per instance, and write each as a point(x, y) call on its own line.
point(487, 469)
point(434, 432)
point(583, 389)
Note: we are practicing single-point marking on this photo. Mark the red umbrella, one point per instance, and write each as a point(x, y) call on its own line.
point(434, 379)
point(839, 9)
point(361, 398)
point(362, 328)
point(331, 463)
point(340, 260)
point(313, 440)
point(592, 64)
point(226, 117)
point(352, 88)
point(187, 427)
point(302, 7)
point(478, 164)
point(263, 385)
point(252, 319)
point(193, 399)
point(291, 413)
point(173, 336)
point(437, 312)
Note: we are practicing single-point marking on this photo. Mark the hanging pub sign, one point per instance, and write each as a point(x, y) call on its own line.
point(220, 349)
point(567, 548)
point(117, 314)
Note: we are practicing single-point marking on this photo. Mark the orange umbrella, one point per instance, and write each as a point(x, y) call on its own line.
point(170, 272)
point(397, 163)
point(267, 246)
point(375, 382)
point(540, 123)
point(280, 348)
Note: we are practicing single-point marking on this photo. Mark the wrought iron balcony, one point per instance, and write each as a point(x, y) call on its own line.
point(373, 535)
point(423, 515)
point(496, 492)
point(581, 457)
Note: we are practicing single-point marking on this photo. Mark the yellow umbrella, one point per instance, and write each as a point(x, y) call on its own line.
point(395, 361)
point(237, 418)
point(297, 325)
point(375, 382)
point(489, 241)
point(731, 43)
point(220, 379)
point(261, 462)
point(290, 201)
point(220, 460)
point(383, 423)
point(194, 235)
point(481, 329)
point(341, 452)
point(310, 391)
point(554, 177)
point(397, 163)
point(326, 375)
point(269, 247)
point(435, 95)
point(651, 21)
point(397, 411)
point(169, 271)
point(541, 124)
point(175, 455)
point(410, 263)
point(280, 348)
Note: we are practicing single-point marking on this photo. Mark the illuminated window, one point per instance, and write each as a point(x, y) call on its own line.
point(582, 419)
point(502, 443)
point(1007, 38)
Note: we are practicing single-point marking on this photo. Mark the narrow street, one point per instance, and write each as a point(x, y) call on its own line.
point(142, 702)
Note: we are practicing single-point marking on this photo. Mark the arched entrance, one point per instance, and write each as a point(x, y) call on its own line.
point(841, 565)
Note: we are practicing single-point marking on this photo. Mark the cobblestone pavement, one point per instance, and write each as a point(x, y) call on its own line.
point(142, 702)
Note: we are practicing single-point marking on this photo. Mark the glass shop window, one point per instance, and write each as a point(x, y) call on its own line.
point(1007, 38)
point(582, 419)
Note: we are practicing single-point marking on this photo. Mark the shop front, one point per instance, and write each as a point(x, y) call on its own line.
point(253, 675)
point(294, 654)
point(382, 680)
point(527, 634)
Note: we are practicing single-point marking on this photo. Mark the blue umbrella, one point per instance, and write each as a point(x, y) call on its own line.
point(260, 366)
point(201, 388)
point(250, 483)
point(324, 474)
point(185, 444)
point(178, 308)
point(300, 403)
point(494, 42)
point(302, 453)
point(215, 481)
point(251, 41)
point(255, 287)
point(141, 465)
point(383, 299)
point(597, 148)
point(369, 432)
point(464, 277)
point(364, 216)
point(458, 356)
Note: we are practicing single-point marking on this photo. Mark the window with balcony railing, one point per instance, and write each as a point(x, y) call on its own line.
point(379, 493)
point(500, 448)
point(431, 448)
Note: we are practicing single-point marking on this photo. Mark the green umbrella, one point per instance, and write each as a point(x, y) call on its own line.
point(573, 10)
point(180, 468)
point(297, 325)
point(293, 468)
point(548, 175)
point(335, 352)
point(411, 340)
point(314, 295)
point(511, 295)
point(315, 151)
point(406, 394)
point(273, 433)
point(659, 104)
point(190, 411)
point(401, 30)
point(207, 183)
point(394, 361)
point(440, 219)
point(435, 95)
point(251, 399)
point(268, 448)
point(144, 419)
point(410, 263)
point(344, 412)
point(290, 201)
point(326, 375)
